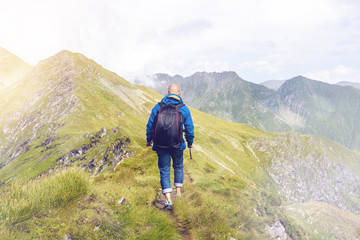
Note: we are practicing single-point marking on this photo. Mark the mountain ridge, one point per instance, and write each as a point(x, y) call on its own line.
point(55, 95)
point(235, 96)
point(350, 84)
point(299, 104)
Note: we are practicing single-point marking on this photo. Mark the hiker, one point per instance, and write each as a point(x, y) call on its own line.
point(165, 130)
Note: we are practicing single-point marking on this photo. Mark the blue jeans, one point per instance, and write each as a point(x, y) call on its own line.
point(164, 164)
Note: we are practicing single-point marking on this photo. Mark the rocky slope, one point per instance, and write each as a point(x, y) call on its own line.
point(305, 173)
point(319, 181)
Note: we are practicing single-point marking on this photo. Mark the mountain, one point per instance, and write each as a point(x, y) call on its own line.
point(12, 68)
point(300, 104)
point(351, 84)
point(324, 109)
point(273, 84)
point(227, 96)
point(74, 165)
point(64, 96)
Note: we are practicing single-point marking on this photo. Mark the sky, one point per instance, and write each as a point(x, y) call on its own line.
point(258, 39)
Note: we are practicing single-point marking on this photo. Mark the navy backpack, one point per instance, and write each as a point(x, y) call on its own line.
point(168, 126)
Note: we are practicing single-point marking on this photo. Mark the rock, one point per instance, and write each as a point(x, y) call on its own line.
point(122, 201)
point(47, 142)
point(115, 130)
point(67, 237)
point(277, 230)
point(6, 181)
point(75, 153)
point(91, 164)
point(101, 133)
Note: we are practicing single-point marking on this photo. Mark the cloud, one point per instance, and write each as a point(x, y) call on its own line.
point(276, 66)
point(336, 74)
point(262, 66)
point(264, 39)
point(208, 66)
point(193, 27)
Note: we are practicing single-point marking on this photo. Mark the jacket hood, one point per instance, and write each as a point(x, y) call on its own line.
point(172, 99)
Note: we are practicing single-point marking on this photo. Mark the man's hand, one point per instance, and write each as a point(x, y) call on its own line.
point(148, 144)
point(190, 146)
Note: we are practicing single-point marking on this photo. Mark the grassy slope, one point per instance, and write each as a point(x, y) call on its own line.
point(227, 190)
point(96, 106)
point(324, 221)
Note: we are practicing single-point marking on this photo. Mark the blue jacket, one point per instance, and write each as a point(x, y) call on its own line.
point(187, 121)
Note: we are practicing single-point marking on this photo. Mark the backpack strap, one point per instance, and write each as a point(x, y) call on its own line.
point(161, 104)
point(179, 105)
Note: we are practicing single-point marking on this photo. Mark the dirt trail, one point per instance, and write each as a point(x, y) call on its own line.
point(160, 203)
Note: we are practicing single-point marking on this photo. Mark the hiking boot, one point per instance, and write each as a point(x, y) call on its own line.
point(168, 206)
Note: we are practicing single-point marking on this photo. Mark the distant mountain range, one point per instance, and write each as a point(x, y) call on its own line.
point(351, 84)
point(276, 84)
point(298, 104)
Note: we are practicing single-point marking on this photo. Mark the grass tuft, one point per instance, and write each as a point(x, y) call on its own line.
point(20, 203)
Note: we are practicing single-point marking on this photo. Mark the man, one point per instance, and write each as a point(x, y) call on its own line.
point(165, 153)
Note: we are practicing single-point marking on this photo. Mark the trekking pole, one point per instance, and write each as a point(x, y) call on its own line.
point(190, 153)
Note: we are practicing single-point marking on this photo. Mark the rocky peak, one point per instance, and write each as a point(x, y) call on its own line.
point(300, 78)
point(293, 83)
point(161, 76)
point(64, 61)
point(301, 83)
point(197, 78)
point(67, 67)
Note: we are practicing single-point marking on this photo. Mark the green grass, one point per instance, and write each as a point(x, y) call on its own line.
point(21, 203)
point(217, 205)
point(72, 203)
